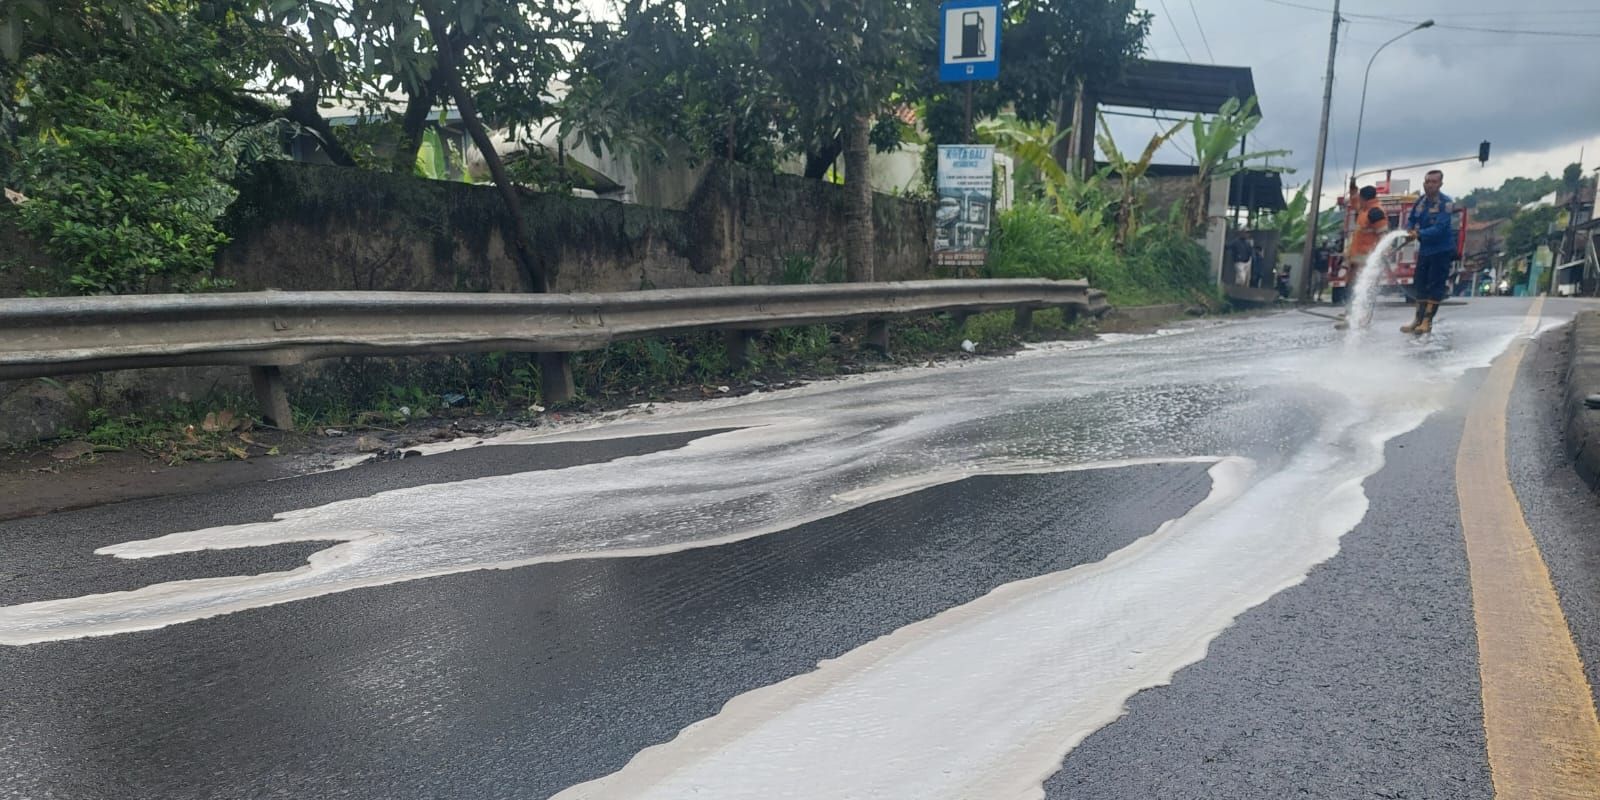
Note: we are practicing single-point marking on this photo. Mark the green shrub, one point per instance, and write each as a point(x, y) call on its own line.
point(123, 197)
point(1160, 265)
point(1030, 242)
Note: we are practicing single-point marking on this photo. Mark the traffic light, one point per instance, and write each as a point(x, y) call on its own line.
point(1483, 152)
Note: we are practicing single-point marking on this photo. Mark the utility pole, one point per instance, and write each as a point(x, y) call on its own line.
point(1316, 181)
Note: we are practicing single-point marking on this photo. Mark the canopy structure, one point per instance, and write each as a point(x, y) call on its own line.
point(1179, 86)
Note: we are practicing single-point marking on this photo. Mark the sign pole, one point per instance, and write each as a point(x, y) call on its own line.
point(966, 132)
point(969, 51)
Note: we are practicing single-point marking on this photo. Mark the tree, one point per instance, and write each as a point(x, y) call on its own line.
point(1512, 194)
point(492, 59)
point(501, 55)
point(710, 75)
point(839, 65)
point(683, 80)
point(118, 131)
point(1056, 49)
point(1528, 230)
point(1130, 176)
point(1572, 177)
point(122, 196)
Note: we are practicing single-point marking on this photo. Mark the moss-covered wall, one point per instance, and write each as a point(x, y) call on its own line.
point(762, 224)
point(310, 227)
point(24, 266)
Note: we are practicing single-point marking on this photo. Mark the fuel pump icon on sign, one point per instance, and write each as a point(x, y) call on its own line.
point(973, 43)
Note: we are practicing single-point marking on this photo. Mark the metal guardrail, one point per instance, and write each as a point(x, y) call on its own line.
point(41, 337)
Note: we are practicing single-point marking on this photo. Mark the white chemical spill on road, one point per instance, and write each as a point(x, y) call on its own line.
point(986, 700)
point(983, 700)
point(1276, 391)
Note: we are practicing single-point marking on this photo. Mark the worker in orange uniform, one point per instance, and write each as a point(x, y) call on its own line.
point(1371, 225)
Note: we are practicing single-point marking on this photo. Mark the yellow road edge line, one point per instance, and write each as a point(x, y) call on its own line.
point(1538, 711)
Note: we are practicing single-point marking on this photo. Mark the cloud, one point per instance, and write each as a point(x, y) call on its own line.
point(1432, 95)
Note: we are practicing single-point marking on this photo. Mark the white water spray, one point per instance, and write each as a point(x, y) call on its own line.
point(1364, 295)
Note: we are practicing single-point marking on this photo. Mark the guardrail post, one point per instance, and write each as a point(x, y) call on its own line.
point(555, 378)
point(272, 396)
point(738, 343)
point(877, 335)
point(1022, 321)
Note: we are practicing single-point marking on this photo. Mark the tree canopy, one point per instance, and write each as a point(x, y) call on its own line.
point(755, 81)
point(1512, 194)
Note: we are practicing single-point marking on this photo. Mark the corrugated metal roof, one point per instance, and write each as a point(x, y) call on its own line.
point(1179, 86)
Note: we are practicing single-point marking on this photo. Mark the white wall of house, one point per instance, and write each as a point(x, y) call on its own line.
point(669, 183)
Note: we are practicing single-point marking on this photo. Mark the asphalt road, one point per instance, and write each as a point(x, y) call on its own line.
point(1225, 562)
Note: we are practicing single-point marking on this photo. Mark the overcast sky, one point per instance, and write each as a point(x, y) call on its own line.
point(1434, 94)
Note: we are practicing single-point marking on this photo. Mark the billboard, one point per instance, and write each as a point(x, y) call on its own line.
point(965, 187)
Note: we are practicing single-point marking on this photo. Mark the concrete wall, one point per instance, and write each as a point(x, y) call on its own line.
point(764, 228)
point(301, 226)
point(1582, 424)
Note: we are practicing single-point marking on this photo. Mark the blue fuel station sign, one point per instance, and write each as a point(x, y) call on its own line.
point(969, 40)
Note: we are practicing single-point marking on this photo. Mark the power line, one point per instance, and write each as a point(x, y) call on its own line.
point(1441, 25)
point(1519, 31)
point(1202, 29)
point(1552, 12)
point(1175, 32)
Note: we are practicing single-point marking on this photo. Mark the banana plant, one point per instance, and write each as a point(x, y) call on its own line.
point(1130, 175)
point(1215, 144)
point(1083, 203)
point(433, 156)
point(431, 161)
point(1030, 144)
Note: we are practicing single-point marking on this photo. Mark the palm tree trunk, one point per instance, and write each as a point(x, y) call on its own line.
point(858, 235)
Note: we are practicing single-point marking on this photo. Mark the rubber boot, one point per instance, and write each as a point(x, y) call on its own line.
point(1427, 320)
point(1419, 321)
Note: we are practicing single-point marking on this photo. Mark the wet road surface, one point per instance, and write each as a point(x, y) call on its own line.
point(1245, 536)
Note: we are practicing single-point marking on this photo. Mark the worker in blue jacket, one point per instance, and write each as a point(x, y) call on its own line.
point(1432, 225)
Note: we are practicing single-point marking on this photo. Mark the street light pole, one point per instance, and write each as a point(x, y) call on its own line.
point(1362, 116)
point(1309, 248)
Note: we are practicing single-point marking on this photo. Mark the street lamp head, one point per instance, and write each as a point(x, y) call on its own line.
point(1427, 23)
